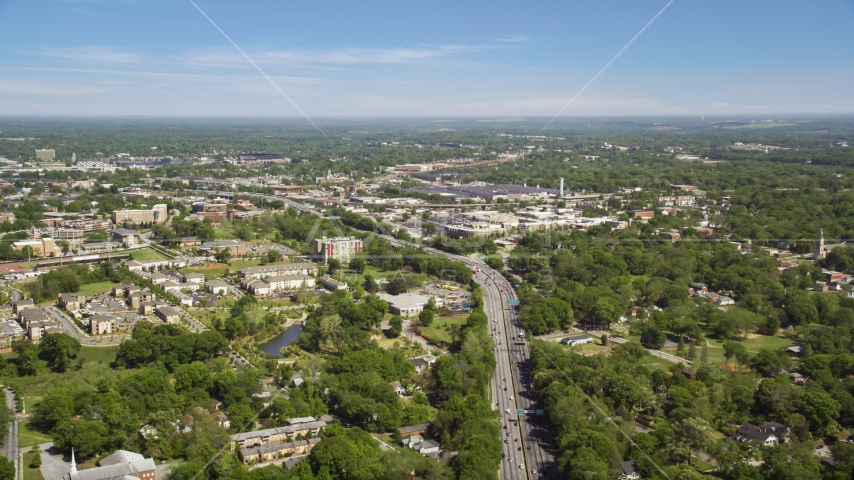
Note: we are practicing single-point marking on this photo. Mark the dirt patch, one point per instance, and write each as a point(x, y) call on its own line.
point(210, 267)
point(732, 367)
point(751, 336)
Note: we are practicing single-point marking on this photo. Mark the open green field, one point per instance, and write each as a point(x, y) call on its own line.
point(238, 264)
point(753, 345)
point(207, 317)
point(96, 288)
point(227, 302)
point(701, 465)
point(715, 349)
point(654, 363)
point(210, 272)
point(352, 279)
point(145, 254)
point(27, 437)
point(224, 233)
point(275, 302)
point(439, 332)
point(95, 366)
point(585, 348)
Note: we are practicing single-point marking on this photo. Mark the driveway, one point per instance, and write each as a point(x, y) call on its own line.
point(54, 465)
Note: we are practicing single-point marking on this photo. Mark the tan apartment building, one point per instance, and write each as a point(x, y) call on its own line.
point(157, 214)
point(40, 246)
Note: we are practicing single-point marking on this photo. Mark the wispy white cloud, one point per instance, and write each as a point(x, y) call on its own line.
point(352, 55)
point(513, 38)
point(93, 54)
point(225, 57)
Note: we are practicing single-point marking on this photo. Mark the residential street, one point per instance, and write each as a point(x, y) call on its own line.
point(10, 446)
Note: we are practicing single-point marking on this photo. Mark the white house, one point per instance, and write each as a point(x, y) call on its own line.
point(427, 447)
point(398, 388)
point(575, 340)
point(422, 363)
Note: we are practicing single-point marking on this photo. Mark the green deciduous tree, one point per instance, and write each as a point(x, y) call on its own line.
point(425, 318)
point(395, 327)
point(58, 349)
point(820, 409)
point(7, 469)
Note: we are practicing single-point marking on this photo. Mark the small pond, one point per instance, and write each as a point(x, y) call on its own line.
point(275, 344)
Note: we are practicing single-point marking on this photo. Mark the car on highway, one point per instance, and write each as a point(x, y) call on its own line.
point(507, 411)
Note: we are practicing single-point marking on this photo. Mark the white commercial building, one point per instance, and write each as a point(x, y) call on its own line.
point(408, 304)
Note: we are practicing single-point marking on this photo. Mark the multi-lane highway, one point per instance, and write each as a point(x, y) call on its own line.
point(513, 373)
point(528, 450)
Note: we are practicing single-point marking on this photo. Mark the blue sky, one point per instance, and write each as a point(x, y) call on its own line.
point(438, 58)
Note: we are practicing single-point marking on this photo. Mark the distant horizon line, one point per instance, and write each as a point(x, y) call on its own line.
point(443, 117)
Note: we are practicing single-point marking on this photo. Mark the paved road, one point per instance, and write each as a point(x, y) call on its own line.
point(10, 446)
point(654, 353)
point(71, 329)
point(512, 363)
point(54, 463)
point(513, 371)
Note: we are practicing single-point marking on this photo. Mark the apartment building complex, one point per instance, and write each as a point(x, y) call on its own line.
point(342, 249)
point(157, 214)
point(278, 270)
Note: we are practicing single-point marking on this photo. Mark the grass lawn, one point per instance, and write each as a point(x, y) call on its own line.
point(224, 233)
point(210, 272)
point(31, 473)
point(701, 465)
point(96, 288)
point(95, 366)
point(352, 278)
point(587, 347)
point(207, 317)
point(753, 345)
point(225, 303)
point(654, 363)
point(28, 437)
point(275, 302)
point(439, 331)
point(238, 264)
point(145, 254)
